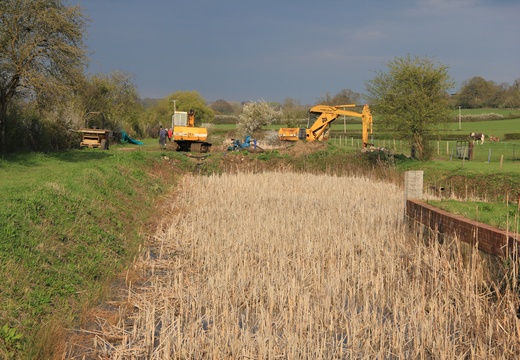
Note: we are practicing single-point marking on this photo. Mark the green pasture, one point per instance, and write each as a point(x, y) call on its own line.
point(504, 216)
point(452, 151)
point(222, 127)
point(495, 127)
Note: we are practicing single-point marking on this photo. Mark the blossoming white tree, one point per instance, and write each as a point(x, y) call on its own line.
point(255, 115)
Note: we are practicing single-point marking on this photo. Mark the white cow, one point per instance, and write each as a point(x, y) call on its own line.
point(477, 137)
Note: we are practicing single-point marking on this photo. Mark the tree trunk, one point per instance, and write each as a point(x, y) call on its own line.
point(419, 146)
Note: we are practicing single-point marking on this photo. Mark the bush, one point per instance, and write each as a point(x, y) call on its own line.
point(455, 137)
point(31, 133)
point(225, 119)
point(512, 136)
point(478, 117)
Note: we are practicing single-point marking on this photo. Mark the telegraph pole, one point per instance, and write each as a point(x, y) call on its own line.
point(174, 110)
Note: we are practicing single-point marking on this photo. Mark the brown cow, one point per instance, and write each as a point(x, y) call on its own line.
point(477, 137)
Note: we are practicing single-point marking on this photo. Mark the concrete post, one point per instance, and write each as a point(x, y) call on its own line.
point(413, 187)
point(413, 184)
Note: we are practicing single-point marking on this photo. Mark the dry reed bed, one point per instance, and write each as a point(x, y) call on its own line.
point(285, 265)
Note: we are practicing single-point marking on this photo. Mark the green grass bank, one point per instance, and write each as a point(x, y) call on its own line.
point(69, 223)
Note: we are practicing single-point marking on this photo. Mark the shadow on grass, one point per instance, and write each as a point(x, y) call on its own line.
point(37, 159)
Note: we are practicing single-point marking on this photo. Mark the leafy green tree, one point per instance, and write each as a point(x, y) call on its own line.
point(255, 115)
point(222, 107)
point(161, 112)
point(115, 96)
point(41, 52)
point(190, 100)
point(477, 93)
point(411, 100)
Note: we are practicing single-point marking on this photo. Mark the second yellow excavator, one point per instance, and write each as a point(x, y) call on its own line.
point(320, 129)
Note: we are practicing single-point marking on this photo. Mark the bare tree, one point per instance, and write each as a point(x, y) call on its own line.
point(293, 113)
point(345, 96)
point(41, 52)
point(512, 95)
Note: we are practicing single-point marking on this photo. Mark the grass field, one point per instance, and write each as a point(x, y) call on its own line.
point(266, 267)
point(499, 215)
point(496, 127)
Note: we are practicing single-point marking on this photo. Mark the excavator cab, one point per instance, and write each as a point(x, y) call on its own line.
point(188, 137)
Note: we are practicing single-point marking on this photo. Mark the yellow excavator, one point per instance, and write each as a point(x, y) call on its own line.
point(319, 131)
point(190, 138)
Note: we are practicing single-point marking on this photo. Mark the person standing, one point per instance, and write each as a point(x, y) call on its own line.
point(170, 134)
point(162, 138)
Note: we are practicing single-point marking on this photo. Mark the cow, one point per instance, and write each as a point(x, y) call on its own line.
point(493, 138)
point(477, 137)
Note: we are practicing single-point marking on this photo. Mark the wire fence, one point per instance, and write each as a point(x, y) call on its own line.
point(446, 150)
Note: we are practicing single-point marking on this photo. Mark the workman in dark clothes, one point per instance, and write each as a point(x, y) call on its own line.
point(162, 138)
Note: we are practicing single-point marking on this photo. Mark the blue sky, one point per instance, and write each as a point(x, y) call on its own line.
point(271, 50)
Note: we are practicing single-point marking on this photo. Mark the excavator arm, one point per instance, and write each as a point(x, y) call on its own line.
point(319, 130)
